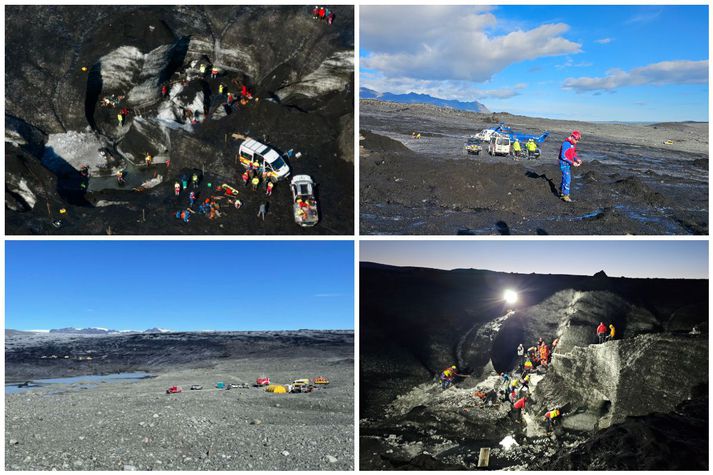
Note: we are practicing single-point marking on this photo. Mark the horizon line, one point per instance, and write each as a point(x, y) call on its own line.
point(186, 331)
point(528, 273)
point(530, 116)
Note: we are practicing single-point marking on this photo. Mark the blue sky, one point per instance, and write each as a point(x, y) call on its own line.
point(612, 63)
point(657, 259)
point(180, 285)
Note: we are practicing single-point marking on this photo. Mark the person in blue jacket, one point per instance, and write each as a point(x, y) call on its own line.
point(567, 159)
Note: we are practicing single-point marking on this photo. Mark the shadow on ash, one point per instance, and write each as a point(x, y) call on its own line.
point(563, 401)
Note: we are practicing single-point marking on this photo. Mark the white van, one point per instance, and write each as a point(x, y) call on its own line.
point(499, 145)
point(257, 155)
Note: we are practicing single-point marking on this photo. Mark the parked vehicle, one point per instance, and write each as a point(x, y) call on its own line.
point(256, 155)
point(499, 145)
point(304, 204)
point(174, 390)
point(196, 387)
point(473, 146)
point(320, 380)
point(263, 381)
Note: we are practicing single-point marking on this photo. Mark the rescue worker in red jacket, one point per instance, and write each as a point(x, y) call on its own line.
point(568, 159)
point(518, 407)
point(602, 332)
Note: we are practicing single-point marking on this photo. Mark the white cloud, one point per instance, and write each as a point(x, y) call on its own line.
point(658, 74)
point(458, 90)
point(647, 15)
point(569, 63)
point(451, 42)
point(604, 41)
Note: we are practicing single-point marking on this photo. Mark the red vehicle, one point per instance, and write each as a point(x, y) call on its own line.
point(263, 381)
point(174, 390)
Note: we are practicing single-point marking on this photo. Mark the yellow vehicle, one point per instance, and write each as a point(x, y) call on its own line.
point(299, 383)
point(320, 380)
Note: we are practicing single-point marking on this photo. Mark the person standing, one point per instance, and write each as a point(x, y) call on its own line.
point(263, 210)
point(568, 159)
point(602, 332)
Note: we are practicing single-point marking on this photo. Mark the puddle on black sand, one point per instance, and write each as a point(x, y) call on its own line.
point(86, 381)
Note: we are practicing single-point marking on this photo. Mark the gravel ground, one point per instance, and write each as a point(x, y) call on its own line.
point(630, 181)
point(136, 426)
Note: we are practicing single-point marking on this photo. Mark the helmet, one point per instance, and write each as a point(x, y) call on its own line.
point(454, 366)
point(576, 135)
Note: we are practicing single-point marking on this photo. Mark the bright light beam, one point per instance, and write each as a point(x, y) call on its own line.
point(510, 296)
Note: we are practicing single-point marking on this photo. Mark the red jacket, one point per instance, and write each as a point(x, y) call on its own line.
point(601, 329)
point(568, 151)
point(520, 403)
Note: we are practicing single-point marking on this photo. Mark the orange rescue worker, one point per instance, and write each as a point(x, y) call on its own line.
point(544, 354)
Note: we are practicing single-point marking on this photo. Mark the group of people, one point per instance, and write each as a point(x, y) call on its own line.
point(515, 388)
point(323, 13)
point(182, 185)
point(122, 115)
point(254, 178)
point(539, 355)
point(211, 206)
point(208, 70)
point(605, 333)
point(231, 99)
point(531, 147)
